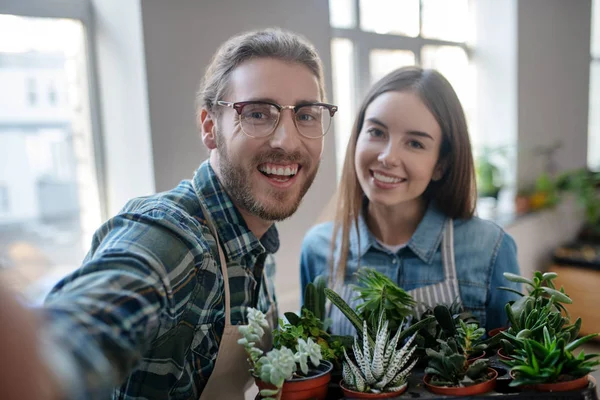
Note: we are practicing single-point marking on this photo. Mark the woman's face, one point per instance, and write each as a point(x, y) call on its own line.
point(397, 150)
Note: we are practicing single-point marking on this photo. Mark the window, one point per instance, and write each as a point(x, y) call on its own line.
point(47, 154)
point(31, 91)
point(594, 108)
point(4, 200)
point(373, 37)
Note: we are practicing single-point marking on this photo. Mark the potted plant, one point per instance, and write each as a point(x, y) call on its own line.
point(379, 371)
point(451, 322)
point(380, 294)
point(584, 185)
point(550, 365)
point(489, 175)
point(541, 306)
point(284, 373)
point(448, 371)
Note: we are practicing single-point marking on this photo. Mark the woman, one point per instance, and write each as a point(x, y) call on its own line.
point(405, 205)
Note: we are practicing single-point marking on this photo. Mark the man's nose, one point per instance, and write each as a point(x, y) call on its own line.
point(286, 135)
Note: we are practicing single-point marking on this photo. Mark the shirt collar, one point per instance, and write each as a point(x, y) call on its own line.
point(424, 242)
point(235, 237)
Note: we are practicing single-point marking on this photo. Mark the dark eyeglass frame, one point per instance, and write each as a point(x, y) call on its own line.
point(239, 107)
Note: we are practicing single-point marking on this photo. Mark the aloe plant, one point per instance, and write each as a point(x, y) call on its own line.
point(550, 360)
point(449, 366)
point(381, 367)
point(358, 323)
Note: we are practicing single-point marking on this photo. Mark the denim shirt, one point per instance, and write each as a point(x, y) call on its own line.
point(482, 252)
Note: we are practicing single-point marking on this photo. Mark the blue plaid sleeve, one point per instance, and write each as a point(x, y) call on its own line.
point(126, 292)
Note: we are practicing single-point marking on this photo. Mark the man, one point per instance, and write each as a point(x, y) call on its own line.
point(152, 312)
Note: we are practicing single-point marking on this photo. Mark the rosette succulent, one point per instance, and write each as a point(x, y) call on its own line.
point(278, 365)
point(379, 367)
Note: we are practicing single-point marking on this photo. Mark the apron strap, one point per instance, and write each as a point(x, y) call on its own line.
point(222, 259)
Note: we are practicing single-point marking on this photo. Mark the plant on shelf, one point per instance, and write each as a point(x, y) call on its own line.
point(449, 366)
point(451, 322)
point(550, 360)
point(540, 286)
point(282, 363)
point(379, 293)
point(308, 326)
point(379, 368)
point(489, 175)
point(584, 185)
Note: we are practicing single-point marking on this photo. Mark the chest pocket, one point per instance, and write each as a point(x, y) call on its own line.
point(415, 273)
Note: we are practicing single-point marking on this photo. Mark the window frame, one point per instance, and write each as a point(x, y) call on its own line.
point(364, 42)
point(81, 10)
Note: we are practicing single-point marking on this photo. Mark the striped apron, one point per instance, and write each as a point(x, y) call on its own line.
point(444, 292)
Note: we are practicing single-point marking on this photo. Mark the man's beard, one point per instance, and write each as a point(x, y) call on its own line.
point(237, 181)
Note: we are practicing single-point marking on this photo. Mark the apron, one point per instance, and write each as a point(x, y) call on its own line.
point(444, 292)
point(231, 377)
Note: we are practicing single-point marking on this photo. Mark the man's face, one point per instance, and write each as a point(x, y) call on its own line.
point(267, 177)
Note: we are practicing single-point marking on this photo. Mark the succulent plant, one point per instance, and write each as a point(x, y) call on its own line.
point(279, 364)
point(550, 360)
point(381, 367)
point(449, 366)
point(379, 293)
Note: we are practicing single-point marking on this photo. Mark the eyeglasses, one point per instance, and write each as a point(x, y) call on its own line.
point(259, 119)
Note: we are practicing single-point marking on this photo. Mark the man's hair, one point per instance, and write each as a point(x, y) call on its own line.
point(268, 43)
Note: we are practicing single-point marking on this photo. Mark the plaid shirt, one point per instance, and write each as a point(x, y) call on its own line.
point(144, 315)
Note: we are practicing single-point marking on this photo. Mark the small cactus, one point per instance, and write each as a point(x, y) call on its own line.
point(379, 367)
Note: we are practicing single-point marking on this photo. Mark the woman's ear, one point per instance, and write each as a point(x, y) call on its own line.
point(439, 171)
point(207, 123)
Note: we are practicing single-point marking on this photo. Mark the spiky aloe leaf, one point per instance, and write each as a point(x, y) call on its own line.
point(393, 371)
point(354, 319)
point(358, 379)
point(396, 388)
point(367, 356)
point(377, 366)
point(396, 362)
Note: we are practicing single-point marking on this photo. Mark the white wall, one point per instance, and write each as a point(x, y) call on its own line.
point(128, 167)
point(180, 38)
point(553, 82)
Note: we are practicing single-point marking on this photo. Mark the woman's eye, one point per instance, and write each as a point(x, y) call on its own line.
point(374, 132)
point(415, 144)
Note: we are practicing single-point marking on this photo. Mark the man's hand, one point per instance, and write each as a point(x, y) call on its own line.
point(23, 373)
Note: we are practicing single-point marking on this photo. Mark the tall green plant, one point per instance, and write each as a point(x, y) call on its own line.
point(380, 294)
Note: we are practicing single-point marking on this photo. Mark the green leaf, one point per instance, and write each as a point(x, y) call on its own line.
point(548, 276)
point(558, 296)
point(292, 318)
point(517, 278)
point(510, 290)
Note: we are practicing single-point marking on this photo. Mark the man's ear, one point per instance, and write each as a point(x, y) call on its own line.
point(208, 128)
point(440, 170)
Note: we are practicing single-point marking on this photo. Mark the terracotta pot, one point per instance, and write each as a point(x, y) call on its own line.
point(496, 331)
point(304, 388)
point(476, 357)
point(502, 355)
point(574, 384)
point(361, 395)
point(479, 388)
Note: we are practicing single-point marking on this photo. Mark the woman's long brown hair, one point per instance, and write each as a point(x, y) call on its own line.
point(454, 194)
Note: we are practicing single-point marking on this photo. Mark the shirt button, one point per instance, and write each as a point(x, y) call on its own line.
point(394, 261)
